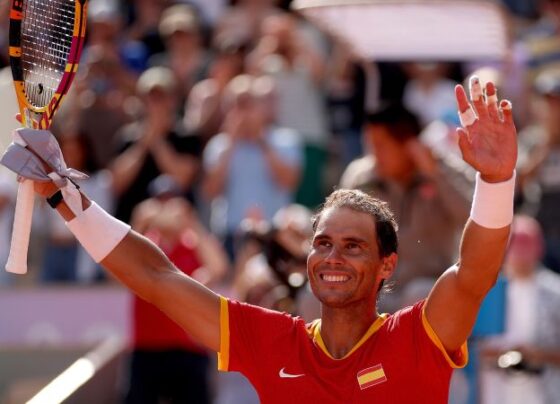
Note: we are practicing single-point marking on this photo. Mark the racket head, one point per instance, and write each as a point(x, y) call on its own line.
point(46, 40)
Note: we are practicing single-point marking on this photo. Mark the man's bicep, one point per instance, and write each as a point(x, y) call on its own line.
point(451, 310)
point(192, 306)
point(141, 266)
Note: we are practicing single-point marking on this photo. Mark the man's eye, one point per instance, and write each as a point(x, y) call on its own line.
point(323, 243)
point(352, 246)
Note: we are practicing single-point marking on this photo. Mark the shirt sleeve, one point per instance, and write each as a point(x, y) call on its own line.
point(456, 359)
point(248, 334)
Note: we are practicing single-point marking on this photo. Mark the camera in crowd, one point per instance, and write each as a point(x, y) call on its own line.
point(514, 362)
point(287, 265)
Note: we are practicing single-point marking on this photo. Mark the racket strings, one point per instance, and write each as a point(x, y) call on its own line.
point(47, 32)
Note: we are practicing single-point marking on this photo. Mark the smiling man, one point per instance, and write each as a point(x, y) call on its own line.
point(352, 354)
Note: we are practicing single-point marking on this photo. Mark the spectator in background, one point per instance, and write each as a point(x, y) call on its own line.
point(271, 265)
point(105, 23)
point(427, 200)
point(542, 41)
point(166, 364)
point(298, 70)
point(252, 167)
point(523, 364)
point(97, 103)
point(184, 51)
point(540, 163)
point(155, 144)
point(243, 20)
point(143, 17)
point(64, 259)
point(210, 10)
point(204, 109)
point(429, 94)
point(346, 94)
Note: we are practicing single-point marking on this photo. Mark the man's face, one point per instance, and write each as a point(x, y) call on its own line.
point(250, 114)
point(392, 161)
point(344, 267)
point(159, 102)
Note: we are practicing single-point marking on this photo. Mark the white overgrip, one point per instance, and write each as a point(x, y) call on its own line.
point(17, 259)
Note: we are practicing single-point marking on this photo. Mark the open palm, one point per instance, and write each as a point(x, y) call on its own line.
point(489, 145)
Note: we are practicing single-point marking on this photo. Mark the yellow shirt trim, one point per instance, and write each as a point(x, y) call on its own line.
point(437, 342)
point(223, 355)
point(316, 334)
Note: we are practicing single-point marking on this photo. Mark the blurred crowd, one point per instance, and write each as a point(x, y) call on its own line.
point(215, 128)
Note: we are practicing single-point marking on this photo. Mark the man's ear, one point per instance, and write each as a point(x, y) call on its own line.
point(388, 266)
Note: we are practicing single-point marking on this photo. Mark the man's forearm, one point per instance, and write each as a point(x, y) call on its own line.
point(481, 255)
point(486, 234)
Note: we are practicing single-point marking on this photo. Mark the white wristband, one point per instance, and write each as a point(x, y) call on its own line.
point(492, 205)
point(97, 231)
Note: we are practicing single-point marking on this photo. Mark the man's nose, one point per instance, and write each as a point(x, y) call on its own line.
point(334, 256)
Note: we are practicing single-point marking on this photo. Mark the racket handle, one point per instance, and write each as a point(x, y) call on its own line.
point(17, 260)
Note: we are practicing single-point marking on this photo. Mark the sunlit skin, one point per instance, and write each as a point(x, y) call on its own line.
point(345, 247)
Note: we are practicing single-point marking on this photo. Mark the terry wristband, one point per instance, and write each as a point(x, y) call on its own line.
point(97, 231)
point(492, 205)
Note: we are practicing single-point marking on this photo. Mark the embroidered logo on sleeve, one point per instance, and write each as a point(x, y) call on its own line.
point(371, 376)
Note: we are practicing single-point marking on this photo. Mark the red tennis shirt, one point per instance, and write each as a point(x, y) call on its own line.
point(399, 359)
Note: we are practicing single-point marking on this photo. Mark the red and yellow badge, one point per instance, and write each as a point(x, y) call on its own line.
point(371, 376)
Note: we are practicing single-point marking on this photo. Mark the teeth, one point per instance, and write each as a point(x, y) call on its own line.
point(334, 278)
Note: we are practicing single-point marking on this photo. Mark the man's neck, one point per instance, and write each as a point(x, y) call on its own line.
point(342, 329)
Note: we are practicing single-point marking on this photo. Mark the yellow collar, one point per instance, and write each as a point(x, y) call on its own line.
point(315, 333)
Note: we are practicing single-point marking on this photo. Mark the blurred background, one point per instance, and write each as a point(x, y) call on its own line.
point(215, 127)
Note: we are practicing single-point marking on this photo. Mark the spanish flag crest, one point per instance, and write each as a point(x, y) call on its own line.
point(371, 376)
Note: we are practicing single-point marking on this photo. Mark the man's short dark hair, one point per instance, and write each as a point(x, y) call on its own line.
point(401, 123)
point(385, 224)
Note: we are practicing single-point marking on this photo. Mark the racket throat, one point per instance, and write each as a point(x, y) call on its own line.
point(33, 120)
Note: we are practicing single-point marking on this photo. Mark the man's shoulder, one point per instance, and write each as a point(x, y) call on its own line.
point(258, 314)
point(405, 317)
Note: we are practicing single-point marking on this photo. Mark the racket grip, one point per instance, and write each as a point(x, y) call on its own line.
point(17, 260)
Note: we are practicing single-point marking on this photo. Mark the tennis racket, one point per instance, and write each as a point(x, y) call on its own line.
point(46, 39)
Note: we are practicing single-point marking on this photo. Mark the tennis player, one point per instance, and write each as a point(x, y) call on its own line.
point(351, 354)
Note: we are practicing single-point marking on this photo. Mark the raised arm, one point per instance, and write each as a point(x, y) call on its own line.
point(488, 142)
point(142, 267)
